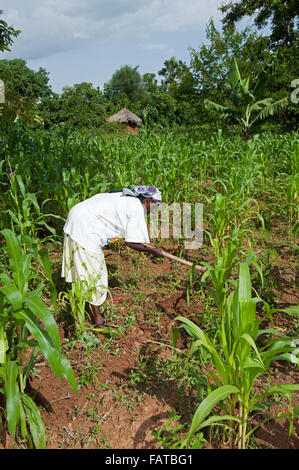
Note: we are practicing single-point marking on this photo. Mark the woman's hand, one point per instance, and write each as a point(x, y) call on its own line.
point(156, 251)
point(146, 249)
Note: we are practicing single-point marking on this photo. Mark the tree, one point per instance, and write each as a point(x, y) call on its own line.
point(49, 109)
point(26, 82)
point(81, 105)
point(179, 83)
point(210, 65)
point(7, 33)
point(172, 73)
point(162, 109)
point(150, 83)
point(126, 80)
point(14, 106)
point(281, 14)
point(244, 108)
point(211, 62)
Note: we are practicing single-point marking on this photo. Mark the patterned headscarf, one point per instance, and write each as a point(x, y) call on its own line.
point(144, 191)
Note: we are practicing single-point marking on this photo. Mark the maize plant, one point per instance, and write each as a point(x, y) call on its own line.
point(23, 315)
point(25, 214)
point(237, 361)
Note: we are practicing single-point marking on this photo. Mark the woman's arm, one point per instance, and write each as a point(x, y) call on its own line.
point(145, 249)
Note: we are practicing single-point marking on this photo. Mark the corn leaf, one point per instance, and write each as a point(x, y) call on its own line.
point(12, 397)
point(2, 349)
point(57, 362)
point(68, 373)
point(244, 283)
point(250, 341)
point(282, 388)
point(12, 293)
point(36, 425)
point(196, 332)
point(290, 311)
point(47, 267)
point(39, 309)
point(23, 421)
point(44, 341)
point(208, 404)
point(21, 185)
point(15, 255)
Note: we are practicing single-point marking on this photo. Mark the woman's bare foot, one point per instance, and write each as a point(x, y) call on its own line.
point(98, 319)
point(115, 299)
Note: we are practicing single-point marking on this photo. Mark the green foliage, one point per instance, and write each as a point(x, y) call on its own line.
point(23, 210)
point(15, 105)
point(162, 109)
point(72, 166)
point(22, 312)
point(80, 106)
point(210, 63)
point(245, 109)
point(127, 81)
point(77, 298)
point(237, 362)
point(50, 108)
point(27, 83)
point(150, 83)
point(17, 108)
point(179, 98)
point(176, 77)
point(56, 169)
point(246, 187)
point(7, 33)
point(282, 14)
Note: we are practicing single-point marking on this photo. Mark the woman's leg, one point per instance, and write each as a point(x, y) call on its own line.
point(97, 279)
point(98, 319)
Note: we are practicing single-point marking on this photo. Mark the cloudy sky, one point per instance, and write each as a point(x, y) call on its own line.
point(88, 40)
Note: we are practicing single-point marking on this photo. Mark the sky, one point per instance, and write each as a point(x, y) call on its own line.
point(88, 40)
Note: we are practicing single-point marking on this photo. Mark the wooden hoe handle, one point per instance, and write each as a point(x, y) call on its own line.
point(182, 261)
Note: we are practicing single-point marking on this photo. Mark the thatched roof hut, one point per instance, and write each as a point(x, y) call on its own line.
point(126, 117)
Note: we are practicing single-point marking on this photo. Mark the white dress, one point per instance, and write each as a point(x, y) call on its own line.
point(87, 268)
point(90, 226)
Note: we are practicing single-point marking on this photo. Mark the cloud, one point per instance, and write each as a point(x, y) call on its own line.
point(52, 26)
point(156, 47)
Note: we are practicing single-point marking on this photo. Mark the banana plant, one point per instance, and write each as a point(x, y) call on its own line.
point(244, 109)
point(23, 314)
point(237, 361)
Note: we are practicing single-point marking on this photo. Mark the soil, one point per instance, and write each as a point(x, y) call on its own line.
point(127, 397)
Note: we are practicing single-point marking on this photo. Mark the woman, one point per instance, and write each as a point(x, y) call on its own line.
point(94, 223)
